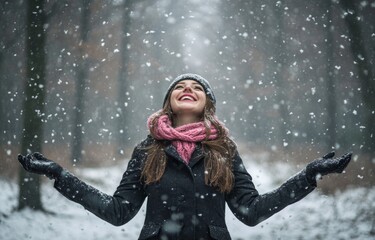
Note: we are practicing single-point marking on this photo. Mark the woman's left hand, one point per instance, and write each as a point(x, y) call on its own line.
point(325, 165)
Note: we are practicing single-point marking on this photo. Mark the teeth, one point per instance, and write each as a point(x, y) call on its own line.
point(187, 98)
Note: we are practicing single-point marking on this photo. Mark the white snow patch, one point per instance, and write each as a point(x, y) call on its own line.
point(345, 215)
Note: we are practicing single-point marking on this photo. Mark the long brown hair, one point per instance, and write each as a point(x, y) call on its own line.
point(219, 152)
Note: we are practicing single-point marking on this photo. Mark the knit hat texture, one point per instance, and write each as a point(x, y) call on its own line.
point(192, 76)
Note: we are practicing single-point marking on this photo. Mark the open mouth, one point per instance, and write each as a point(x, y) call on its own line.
point(187, 98)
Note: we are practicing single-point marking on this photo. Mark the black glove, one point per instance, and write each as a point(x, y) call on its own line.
point(37, 163)
point(326, 165)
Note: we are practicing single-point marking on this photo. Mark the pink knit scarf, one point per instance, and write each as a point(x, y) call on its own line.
point(183, 138)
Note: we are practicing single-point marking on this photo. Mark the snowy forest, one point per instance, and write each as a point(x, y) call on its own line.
point(293, 81)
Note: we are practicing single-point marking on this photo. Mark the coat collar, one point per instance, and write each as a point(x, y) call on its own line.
point(197, 155)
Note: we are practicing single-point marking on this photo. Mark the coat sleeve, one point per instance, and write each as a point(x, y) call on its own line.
point(117, 209)
point(252, 208)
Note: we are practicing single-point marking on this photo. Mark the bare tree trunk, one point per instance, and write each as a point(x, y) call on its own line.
point(29, 184)
point(280, 72)
point(330, 83)
point(123, 97)
point(7, 41)
point(3, 86)
point(365, 74)
point(2, 102)
point(79, 107)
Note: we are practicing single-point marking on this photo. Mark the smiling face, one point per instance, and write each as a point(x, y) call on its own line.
point(188, 99)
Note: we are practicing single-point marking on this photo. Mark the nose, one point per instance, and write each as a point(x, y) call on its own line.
point(188, 88)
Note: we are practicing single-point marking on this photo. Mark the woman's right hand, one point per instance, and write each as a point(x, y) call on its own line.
point(37, 163)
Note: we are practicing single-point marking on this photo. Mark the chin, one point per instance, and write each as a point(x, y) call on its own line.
point(191, 111)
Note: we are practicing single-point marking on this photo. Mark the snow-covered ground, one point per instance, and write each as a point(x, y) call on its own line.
point(345, 215)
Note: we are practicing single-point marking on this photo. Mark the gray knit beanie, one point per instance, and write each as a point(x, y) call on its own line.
point(191, 76)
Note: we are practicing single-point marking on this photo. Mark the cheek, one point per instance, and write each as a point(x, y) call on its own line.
point(173, 95)
point(203, 98)
point(173, 100)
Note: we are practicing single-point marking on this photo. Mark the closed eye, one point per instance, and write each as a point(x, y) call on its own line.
point(196, 86)
point(178, 87)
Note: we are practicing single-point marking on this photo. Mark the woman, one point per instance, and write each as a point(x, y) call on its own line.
point(188, 168)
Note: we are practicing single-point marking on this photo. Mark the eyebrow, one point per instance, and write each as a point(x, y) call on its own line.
point(183, 82)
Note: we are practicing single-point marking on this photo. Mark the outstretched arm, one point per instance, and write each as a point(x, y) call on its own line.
point(252, 208)
point(117, 209)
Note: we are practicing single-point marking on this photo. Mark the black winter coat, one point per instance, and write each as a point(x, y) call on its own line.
point(181, 205)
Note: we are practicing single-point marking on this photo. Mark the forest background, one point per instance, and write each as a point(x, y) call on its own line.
point(79, 79)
